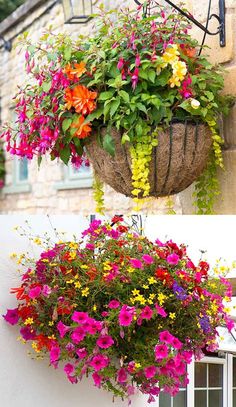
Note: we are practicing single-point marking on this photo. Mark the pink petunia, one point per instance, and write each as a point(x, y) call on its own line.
point(69, 369)
point(173, 259)
point(99, 362)
point(12, 316)
point(80, 317)
point(161, 311)
point(136, 263)
point(35, 292)
point(54, 355)
point(150, 372)
point(97, 379)
point(46, 291)
point(147, 259)
point(63, 329)
point(176, 343)
point(122, 376)
point(113, 304)
point(166, 337)
point(146, 313)
point(81, 352)
point(161, 352)
point(105, 341)
point(126, 315)
point(78, 334)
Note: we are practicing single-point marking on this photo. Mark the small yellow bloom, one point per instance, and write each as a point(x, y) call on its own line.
point(37, 241)
point(137, 365)
point(172, 315)
point(146, 287)
point(85, 292)
point(29, 321)
point(77, 284)
point(152, 280)
point(161, 298)
point(51, 323)
point(135, 292)
point(13, 255)
point(84, 266)
point(35, 347)
point(95, 308)
point(130, 269)
point(73, 245)
point(70, 281)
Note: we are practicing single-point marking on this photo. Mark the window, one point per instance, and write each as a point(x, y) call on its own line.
point(234, 381)
point(208, 385)
point(180, 400)
point(74, 178)
point(19, 177)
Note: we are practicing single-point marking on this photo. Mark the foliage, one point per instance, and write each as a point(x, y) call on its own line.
point(114, 305)
point(8, 6)
point(136, 74)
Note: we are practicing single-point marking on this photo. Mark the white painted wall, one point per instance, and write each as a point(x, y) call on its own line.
point(25, 382)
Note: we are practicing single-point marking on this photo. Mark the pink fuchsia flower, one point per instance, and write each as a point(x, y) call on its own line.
point(150, 372)
point(54, 355)
point(69, 369)
point(80, 317)
point(121, 63)
point(147, 259)
point(105, 341)
point(63, 329)
point(122, 376)
point(134, 78)
point(12, 316)
point(137, 61)
point(126, 315)
point(97, 379)
point(35, 292)
point(136, 263)
point(173, 259)
point(113, 304)
point(46, 291)
point(161, 352)
point(78, 335)
point(81, 352)
point(161, 311)
point(99, 362)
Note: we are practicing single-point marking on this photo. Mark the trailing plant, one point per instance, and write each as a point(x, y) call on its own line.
point(2, 168)
point(114, 305)
point(136, 74)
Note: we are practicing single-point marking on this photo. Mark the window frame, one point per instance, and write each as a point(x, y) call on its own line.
point(74, 181)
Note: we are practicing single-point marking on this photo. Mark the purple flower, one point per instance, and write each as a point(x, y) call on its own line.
point(205, 324)
point(12, 316)
point(179, 292)
point(27, 333)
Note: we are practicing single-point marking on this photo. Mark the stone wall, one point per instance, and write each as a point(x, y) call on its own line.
point(34, 16)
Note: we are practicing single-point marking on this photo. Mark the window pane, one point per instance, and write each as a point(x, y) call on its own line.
point(164, 400)
point(215, 398)
point(234, 372)
point(23, 169)
point(180, 400)
point(215, 375)
point(234, 398)
point(200, 398)
point(200, 374)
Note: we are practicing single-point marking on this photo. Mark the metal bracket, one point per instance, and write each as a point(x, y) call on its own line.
point(220, 18)
point(7, 45)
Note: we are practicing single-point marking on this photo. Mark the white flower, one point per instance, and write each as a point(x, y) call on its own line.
point(195, 103)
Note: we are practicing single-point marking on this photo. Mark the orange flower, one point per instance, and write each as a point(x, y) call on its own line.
point(83, 130)
point(83, 99)
point(76, 72)
point(68, 98)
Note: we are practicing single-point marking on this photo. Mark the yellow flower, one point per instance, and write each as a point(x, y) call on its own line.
point(161, 298)
point(37, 241)
point(146, 287)
point(35, 347)
point(85, 292)
point(137, 365)
point(51, 323)
point(13, 255)
point(77, 284)
point(73, 245)
point(29, 321)
point(70, 281)
point(72, 255)
point(172, 315)
point(130, 269)
point(84, 266)
point(171, 54)
point(135, 292)
point(152, 280)
point(95, 308)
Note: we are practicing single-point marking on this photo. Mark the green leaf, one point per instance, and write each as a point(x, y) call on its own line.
point(106, 95)
point(67, 53)
point(66, 124)
point(65, 154)
point(125, 138)
point(124, 95)
point(114, 106)
point(142, 107)
point(151, 75)
point(46, 86)
point(95, 115)
point(108, 144)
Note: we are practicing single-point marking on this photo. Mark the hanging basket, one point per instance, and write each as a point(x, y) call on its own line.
point(178, 160)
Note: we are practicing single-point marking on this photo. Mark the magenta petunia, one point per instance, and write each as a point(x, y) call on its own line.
point(161, 352)
point(27, 333)
point(146, 313)
point(46, 291)
point(150, 371)
point(12, 316)
point(78, 334)
point(97, 379)
point(54, 355)
point(166, 337)
point(82, 353)
point(69, 369)
point(35, 292)
point(63, 329)
point(173, 259)
point(113, 304)
point(147, 259)
point(80, 317)
point(99, 362)
point(105, 341)
point(136, 263)
point(176, 343)
point(122, 376)
point(125, 316)
point(161, 311)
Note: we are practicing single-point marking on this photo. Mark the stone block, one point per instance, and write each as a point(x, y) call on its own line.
point(230, 81)
point(229, 129)
point(226, 202)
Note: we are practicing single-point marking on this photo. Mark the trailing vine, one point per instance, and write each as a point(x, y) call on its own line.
point(98, 194)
